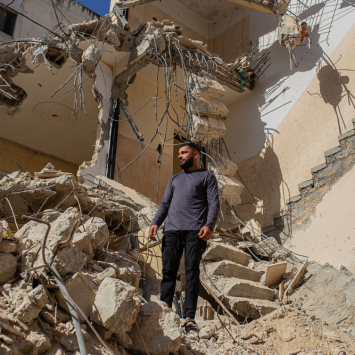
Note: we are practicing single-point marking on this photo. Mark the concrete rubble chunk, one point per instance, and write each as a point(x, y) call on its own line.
point(204, 129)
point(222, 251)
point(266, 247)
point(98, 229)
point(116, 305)
point(129, 272)
point(7, 247)
point(8, 267)
point(41, 342)
point(230, 189)
point(224, 166)
point(90, 58)
point(82, 290)
point(32, 305)
point(243, 288)
point(207, 332)
point(160, 329)
point(82, 242)
point(205, 85)
point(209, 106)
point(230, 269)
point(251, 308)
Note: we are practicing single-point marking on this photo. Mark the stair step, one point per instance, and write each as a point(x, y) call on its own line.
point(250, 308)
point(230, 269)
point(222, 251)
point(243, 288)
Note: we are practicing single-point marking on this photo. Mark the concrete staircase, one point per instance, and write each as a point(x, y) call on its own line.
point(338, 161)
point(225, 270)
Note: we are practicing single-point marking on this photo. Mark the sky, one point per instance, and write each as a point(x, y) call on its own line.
point(101, 7)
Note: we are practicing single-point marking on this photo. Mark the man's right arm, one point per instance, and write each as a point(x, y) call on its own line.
point(162, 210)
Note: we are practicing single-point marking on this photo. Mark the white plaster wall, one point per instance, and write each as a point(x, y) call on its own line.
point(103, 83)
point(330, 234)
point(42, 12)
point(275, 94)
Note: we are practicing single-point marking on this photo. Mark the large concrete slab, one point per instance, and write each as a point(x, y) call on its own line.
point(222, 251)
point(243, 288)
point(249, 308)
point(230, 269)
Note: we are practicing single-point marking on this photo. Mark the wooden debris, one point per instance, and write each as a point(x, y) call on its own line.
point(274, 273)
point(297, 279)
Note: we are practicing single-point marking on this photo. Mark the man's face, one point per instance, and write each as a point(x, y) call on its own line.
point(186, 157)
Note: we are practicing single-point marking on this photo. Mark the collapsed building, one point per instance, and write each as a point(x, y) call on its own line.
point(108, 100)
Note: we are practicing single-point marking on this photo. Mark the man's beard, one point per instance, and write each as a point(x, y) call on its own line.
point(187, 163)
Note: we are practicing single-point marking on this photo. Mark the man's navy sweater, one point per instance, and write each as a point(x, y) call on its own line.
point(190, 201)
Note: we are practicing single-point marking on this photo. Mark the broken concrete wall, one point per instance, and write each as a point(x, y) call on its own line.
point(66, 11)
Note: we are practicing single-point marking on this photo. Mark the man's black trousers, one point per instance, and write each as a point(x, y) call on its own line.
point(174, 243)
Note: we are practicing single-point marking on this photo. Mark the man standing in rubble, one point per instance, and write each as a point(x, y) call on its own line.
point(191, 203)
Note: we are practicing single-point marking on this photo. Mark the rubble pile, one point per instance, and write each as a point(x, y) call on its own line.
point(73, 279)
point(286, 331)
point(68, 279)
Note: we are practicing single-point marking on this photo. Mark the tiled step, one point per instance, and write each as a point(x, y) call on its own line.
point(230, 269)
point(243, 288)
point(222, 251)
point(249, 308)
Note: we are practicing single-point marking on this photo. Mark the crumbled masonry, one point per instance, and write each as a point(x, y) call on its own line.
point(105, 280)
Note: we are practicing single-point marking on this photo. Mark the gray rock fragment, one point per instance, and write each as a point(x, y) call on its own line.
point(160, 329)
point(116, 305)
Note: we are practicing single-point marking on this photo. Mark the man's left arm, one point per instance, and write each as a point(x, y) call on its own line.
point(213, 208)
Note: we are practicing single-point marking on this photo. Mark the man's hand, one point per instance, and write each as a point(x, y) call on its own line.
point(153, 231)
point(205, 233)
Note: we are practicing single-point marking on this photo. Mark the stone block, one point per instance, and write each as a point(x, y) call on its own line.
point(331, 152)
point(205, 85)
point(221, 251)
point(318, 168)
point(208, 106)
point(116, 305)
point(230, 189)
point(230, 269)
point(250, 308)
point(129, 272)
point(243, 288)
point(346, 135)
point(224, 166)
point(160, 329)
point(32, 304)
point(204, 129)
point(8, 267)
point(293, 199)
point(82, 290)
point(305, 184)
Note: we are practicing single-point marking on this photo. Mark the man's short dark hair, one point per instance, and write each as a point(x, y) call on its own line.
point(193, 146)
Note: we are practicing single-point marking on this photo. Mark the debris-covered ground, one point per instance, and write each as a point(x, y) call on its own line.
point(72, 281)
point(288, 330)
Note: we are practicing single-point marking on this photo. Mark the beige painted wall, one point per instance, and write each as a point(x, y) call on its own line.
point(308, 130)
point(29, 159)
point(330, 234)
point(142, 175)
